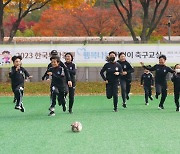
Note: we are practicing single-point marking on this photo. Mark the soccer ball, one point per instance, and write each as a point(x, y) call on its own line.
point(76, 126)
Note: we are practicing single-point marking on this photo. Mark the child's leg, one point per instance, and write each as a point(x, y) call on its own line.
point(71, 97)
point(146, 91)
point(109, 91)
point(53, 97)
point(176, 99)
point(150, 93)
point(115, 96)
point(123, 90)
point(14, 100)
point(158, 90)
point(18, 92)
point(61, 99)
point(128, 89)
point(164, 95)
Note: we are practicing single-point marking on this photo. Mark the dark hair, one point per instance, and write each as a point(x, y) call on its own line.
point(16, 57)
point(176, 65)
point(68, 53)
point(5, 52)
point(113, 53)
point(162, 56)
point(121, 53)
point(56, 58)
point(54, 52)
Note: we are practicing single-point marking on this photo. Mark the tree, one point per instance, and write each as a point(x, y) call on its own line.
point(24, 7)
point(151, 12)
point(173, 9)
point(10, 20)
point(3, 4)
point(81, 21)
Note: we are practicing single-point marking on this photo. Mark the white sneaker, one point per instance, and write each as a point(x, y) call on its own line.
point(17, 107)
point(51, 109)
point(52, 113)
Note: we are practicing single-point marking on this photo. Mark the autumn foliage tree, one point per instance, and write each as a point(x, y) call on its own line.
point(21, 8)
point(82, 21)
point(173, 10)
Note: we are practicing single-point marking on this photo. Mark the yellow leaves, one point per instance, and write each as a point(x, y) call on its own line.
point(25, 4)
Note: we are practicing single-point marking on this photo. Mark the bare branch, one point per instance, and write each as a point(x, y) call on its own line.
point(40, 6)
point(125, 8)
point(153, 23)
point(122, 16)
point(6, 3)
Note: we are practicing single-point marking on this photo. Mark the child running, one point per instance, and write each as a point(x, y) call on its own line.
point(58, 84)
point(161, 71)
point(147, 82)
point(176, 81)
point(18, 74)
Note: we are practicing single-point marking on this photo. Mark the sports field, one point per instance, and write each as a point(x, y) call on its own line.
point(137, 129)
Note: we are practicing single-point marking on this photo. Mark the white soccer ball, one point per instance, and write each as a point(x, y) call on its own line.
point(76, 126)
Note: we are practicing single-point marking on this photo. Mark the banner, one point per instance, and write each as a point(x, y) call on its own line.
point(89, 55)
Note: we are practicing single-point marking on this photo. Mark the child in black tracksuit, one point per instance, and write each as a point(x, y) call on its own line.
point(113, 71)
point(147, 82)
point(176, 81)
point(125, 78)
point(161, 71)
point(53, 53)
point(58, 84)
point(18, 74)
point(72, 71)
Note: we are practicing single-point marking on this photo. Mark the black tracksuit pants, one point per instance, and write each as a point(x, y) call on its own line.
point(18, 94)
point(60, 93)
point(148, 92)
point(112, 91)
point(176, 97)
point(125, 89)
point(71, 96)
point(161, 88)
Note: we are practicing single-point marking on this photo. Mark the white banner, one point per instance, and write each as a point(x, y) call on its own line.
point(89, 55)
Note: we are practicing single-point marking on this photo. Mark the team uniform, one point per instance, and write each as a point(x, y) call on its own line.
point(125, 80)
point(72, 71)
point(161, 72)
point(58, 87)
point(176, 81)
point(17, 84)
point(147, 81)
point(112, 86)
point(45, 76)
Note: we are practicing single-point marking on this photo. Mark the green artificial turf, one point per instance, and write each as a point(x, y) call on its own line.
point(137, 129)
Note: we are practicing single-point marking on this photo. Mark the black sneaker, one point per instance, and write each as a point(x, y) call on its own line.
point(156, 96)
point(161, 107)
point(115, 110)
point(127, 97)
point(151, 98)
point(52, 113)
point(177, 109)
point(17, 107)
point(70, 111)
point(124, 105)
point(22, 109)
point(64, 108)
